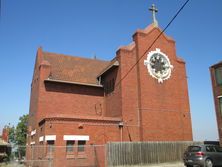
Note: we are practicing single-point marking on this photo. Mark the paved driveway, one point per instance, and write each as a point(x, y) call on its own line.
point(175, 164)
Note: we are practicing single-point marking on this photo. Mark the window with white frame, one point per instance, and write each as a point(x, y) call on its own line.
point(218, 75)
point(50, 140)
point(81, 145)
point(50, 146)
point(220, 105)
point(71, 140)
point(70, 145)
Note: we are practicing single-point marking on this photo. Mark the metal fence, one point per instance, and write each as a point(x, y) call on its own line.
point(145, 153)
point(109, 155)
point(57, 156)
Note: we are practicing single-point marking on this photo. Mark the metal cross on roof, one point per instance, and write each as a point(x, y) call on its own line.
point(154, 10)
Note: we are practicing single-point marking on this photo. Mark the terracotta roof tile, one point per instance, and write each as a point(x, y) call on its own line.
point(74, 69)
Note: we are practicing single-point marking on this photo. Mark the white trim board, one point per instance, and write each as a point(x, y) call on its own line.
point(76, 137)
point(50, 137)
point(41, 138)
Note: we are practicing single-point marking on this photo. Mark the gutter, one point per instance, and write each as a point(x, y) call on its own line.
point(75, 83)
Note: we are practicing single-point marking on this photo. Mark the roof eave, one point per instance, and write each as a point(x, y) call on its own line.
point(216, 65)
point(85, 119)
point(75, 83)
point(114, 64)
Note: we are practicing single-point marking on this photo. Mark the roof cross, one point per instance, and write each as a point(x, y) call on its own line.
point(154, 10)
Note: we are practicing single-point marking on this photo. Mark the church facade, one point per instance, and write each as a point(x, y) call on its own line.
point(140, 95)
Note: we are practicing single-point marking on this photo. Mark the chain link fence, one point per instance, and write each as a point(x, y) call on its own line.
point(111, 154)
point(56, 156)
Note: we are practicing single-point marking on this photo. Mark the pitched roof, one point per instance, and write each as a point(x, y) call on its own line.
point(216, 65)
point(113, 63)
point(74, 69)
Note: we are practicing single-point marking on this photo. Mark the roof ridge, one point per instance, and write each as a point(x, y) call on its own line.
point(74, 69)
point(71, 56)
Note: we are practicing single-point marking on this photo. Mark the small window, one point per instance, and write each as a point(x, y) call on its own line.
point(69, 145)
point(50, 146)
point(210, 149)
point(194, 148)
point(81, 145)
point(218, 149)
point(218, 75)
point(220, 105)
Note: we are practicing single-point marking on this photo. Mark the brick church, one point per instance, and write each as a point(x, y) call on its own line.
point(139, 95)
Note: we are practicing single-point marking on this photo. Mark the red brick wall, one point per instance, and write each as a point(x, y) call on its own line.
point(162, 109)
point(34, 101)
point(35, 92)
point(149, 110)
point(112, 99)
point(217, 91)
point(129, 94)
point(5, 134)
point(164, 106)
point(59, 99)
point(94, 149)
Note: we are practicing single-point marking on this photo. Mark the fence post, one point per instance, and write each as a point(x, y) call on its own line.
point(105, 150)
point(50, 157)
point(32, 155)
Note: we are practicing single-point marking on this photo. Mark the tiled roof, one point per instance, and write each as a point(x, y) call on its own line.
point(74, 69)
point(217, 64)
point(113, 63)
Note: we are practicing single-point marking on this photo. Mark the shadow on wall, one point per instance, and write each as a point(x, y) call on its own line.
point(73, 89)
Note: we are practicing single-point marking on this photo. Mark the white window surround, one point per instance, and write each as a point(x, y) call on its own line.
point(50, 137)
point(76, 137)
point(33, 132)
point(219, 96)
point(154, 57)
point(32, 143)
point(41, 138)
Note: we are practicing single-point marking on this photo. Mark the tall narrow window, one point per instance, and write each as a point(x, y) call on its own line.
point(109, 86)
point(70, 145)
point(81, 145)
point(218, 74)
point(113, 84)
point(106, 87)
point(51, 146)
point(220, 105)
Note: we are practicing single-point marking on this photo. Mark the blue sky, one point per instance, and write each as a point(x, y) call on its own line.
point(99, 27)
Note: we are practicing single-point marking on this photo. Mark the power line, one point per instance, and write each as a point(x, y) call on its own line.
point(0, 9)
point(174, 17)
